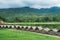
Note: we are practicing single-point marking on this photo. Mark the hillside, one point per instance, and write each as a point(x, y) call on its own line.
point(30, 14)
point(26, 11)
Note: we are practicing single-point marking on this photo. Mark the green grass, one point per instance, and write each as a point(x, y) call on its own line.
point(34, 23)
point(13, 34)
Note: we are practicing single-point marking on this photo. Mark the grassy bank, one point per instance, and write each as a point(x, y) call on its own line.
point(12, 34)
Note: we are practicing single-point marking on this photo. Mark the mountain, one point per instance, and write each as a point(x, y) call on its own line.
point(26, 11)
point(52, 9)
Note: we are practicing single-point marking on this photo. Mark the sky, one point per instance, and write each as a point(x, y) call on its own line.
point(29, 3)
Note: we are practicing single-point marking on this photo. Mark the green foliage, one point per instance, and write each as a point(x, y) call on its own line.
point(3, 19)
point(27, 14)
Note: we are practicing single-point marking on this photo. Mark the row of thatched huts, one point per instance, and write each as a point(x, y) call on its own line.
point(38, 29)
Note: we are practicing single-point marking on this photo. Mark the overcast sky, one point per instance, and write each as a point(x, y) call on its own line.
point(30, 3)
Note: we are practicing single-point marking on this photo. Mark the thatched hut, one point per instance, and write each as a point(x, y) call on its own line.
point(46, 30)
point(8, 26)
point(33, 28)
point(53, 31)
point(29, 28)
point(16, 26)
point(59, 31)
point(40, 28)
point(4, 26)
point(1, 26)
point(21, 27)
point(12, 26)
point(25, 27)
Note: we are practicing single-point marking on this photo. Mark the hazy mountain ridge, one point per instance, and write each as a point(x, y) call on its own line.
point(29, 11)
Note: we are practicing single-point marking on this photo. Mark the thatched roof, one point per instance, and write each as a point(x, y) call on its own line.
point(40, 28)
point(55, 30)
point(46, 29)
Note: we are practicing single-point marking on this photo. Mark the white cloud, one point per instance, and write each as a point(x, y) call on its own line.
point(30, 3)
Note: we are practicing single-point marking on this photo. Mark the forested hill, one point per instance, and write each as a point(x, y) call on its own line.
point(27, 14)
point(26, 11)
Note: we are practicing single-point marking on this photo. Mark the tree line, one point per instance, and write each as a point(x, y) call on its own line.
point(32, 19)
